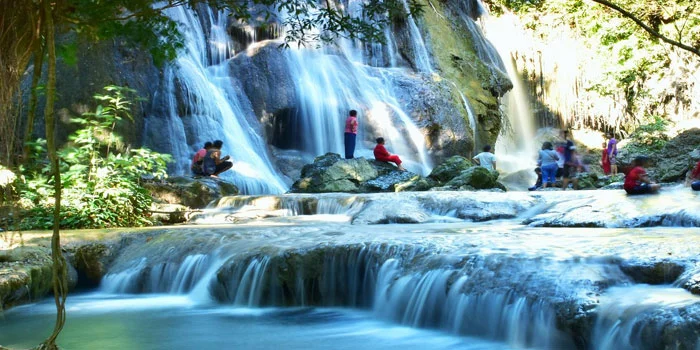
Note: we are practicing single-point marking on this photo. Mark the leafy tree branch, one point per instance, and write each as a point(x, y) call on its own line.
point(647, 28)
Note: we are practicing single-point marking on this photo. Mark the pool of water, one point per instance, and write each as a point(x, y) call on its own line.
point(104, 321)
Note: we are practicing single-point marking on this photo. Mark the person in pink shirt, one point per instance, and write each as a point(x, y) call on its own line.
point(198, 158)
point(382, 155)
point(350, 134)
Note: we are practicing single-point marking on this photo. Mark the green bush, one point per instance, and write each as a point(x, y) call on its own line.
point(100, 175)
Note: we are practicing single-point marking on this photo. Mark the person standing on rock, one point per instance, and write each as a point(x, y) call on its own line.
point(637, 181)
point(548, 164)
point(570, 165)
point(382, 155)
point(350, 134)
point(605, 160)
point(213, 164)
point(486, 159)
point(196, 166)
point(612, 154)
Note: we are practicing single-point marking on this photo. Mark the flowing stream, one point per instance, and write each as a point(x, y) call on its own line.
point(313, 278)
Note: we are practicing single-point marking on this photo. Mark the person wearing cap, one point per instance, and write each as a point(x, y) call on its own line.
point(637, 181)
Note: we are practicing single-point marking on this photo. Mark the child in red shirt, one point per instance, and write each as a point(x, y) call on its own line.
point(382, 155)
point(637, 181)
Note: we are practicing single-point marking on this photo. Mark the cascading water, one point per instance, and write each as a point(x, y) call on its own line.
point(421, 56)
point(199, 86)
point(515, 148)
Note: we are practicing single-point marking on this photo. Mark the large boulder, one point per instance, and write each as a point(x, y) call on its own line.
point(331, 173)
point(674, 160)
point(476, 177)
point(450, 169)
point(190, 192)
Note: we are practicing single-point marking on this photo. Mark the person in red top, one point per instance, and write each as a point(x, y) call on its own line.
point(198, 158)
point(382, 155)
point(695, 177)
point(350, 134)
point(605, 160)
point(637, 181)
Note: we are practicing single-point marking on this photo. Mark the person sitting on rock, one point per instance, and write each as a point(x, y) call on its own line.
point(695, 178)
point(538, 183)
point(196, 166)
point(637, 181)
point(486, 159)
point(213, 164)
point(382, 155)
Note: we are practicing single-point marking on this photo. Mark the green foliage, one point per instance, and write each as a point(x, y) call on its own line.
point(650, 136)
point(101, 177)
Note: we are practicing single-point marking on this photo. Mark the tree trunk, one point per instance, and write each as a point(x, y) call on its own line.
point(29, 129)
point(59, 262)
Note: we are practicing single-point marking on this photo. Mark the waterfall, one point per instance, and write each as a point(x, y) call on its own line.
point(515, 148)
point(329, 85)
point(420, 52)
point(204, 104)
point(201, 101)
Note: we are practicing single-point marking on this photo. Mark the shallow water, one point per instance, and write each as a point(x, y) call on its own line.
point(101, 321)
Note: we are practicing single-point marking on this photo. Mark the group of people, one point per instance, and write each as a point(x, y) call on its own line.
point(562, 162)
point(380, 152)
point(208, 160)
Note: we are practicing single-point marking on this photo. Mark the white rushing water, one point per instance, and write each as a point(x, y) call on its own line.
point(515, 148)
point(201, 101)
point(213, 107)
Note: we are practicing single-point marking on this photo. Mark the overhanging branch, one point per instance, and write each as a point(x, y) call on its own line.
point(650, 30)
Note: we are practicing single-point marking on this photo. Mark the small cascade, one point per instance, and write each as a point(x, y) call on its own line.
point(420, 52)
point(190, 276)
point(470, 114)
point(201, 103)
point(640, 317)
point(436, 299)
point(399, 283)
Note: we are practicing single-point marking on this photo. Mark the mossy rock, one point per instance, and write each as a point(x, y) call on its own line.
point(450, 169)
point(25, 274)
point(189, 191)
point(476, 177)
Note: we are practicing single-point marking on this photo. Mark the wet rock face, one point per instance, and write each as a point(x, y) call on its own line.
point(263, 72)
point(430, 105)
point(659, 272)
point(190, 192)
